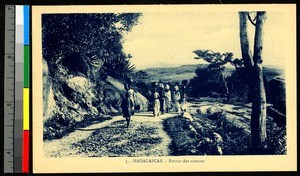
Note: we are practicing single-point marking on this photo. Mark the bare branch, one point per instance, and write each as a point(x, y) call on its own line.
point(252, 21)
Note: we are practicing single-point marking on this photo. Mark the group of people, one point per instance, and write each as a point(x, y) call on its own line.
point(164, 100)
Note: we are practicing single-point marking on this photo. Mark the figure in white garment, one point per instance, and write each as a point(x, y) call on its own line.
point(168, 98)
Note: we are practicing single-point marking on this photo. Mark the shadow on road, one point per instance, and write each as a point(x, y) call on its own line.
point(93, 129)
point(144, 115)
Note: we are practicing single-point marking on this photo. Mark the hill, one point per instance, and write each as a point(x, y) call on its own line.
point(172, 74)
point(179, 73)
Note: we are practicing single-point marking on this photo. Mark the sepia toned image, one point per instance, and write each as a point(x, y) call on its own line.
point(167, 88)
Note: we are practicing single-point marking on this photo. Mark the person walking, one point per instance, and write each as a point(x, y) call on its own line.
point(176, 98)
point(130, 91)
point(167, 97)
point(156, 103)
point(132, 97)
point(183, 90)
point(161, 97)
point(127, 105)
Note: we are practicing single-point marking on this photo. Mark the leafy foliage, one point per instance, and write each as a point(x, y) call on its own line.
point(88, 46)
point(60, 125)
point(208, 82)
point(238, 85)
point(276, 139)
point(201, 140)
point(276, 94)
point(118, 67)
point(184, 141)
point(215, 60)
point(141, 83)
point(197, 137)
point(95, 37)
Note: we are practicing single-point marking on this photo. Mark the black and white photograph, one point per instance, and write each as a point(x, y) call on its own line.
point(158, 86)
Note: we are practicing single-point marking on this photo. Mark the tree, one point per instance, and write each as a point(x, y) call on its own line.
point(216, 62)
point(207, 82)
point(94, 39)
point(140, 83)
point(254, 66)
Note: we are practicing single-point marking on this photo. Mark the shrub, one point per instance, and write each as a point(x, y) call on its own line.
point(57, 126)
point(214, 113)
point(60, 125)
point(141, 82)
point(207, 82)
point(187, 141)
point(238, 85)
point(235, 139)
point(275, 92)
point(276, 139)
point(183, 138)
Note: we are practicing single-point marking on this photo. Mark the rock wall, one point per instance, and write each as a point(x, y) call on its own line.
point(75, 98)
point(48, 96)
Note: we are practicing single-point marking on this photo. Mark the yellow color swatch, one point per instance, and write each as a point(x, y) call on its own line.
point(25, 108)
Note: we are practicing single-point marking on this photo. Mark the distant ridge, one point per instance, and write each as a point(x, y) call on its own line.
point(174, 66)
point(161, 65)
point(172, 73)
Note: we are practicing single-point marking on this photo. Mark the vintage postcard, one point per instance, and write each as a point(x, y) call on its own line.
point(164, 88)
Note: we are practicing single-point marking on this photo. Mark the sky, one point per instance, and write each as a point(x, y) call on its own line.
point(168, 38)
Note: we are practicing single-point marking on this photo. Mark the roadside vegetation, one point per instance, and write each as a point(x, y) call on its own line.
point(214, 133)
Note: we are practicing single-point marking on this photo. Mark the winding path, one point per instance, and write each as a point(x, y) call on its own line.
point(72, 144)
point(144, 137)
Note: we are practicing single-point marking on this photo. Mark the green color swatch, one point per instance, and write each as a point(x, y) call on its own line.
point(26, 66)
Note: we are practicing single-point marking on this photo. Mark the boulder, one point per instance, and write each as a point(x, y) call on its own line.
point(140, 99)
point(79, 83)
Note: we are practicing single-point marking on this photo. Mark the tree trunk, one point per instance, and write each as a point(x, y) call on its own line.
point(226, 87)
point(244, 40)
point(258, 117)
point(258, 40)
point(246, 51)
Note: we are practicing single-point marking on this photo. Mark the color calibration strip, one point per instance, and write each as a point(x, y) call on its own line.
point(16, 92)
point(25, 151)
point(21, 128)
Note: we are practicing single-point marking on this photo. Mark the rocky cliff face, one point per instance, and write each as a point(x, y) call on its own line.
point(80, 51)
point(73, 96)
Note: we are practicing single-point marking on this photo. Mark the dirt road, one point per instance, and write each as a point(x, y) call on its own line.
point(144, 137)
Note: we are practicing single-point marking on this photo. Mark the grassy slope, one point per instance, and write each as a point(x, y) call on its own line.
point(173, 74)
